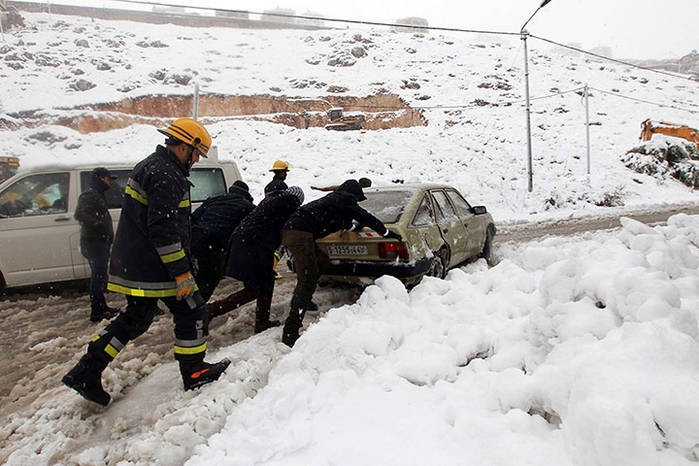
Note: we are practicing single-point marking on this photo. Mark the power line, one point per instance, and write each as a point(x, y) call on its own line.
point(621, 96)
point(621, 62)
point(417, 27)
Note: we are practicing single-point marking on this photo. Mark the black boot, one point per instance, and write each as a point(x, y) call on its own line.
point(86, 379)
point(291, 327)
point(108, 314)
point(200, 373)
point(262, 321)
point(262, 325)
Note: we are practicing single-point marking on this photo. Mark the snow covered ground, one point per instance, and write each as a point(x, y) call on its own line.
point(580, 350)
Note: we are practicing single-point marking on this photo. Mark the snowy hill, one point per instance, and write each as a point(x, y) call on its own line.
point(469, 90)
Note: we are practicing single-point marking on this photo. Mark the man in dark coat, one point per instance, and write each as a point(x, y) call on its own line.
point(280, 169)
point(96, 236)
point(251, 256)
point(317, 219)
point(212, 225)
point(150, 261)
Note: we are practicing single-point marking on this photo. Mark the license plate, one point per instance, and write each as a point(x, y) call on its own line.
point(347, 250)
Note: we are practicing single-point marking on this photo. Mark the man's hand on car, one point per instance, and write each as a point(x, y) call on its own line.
point(393, 235)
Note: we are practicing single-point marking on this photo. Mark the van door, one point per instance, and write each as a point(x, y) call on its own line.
point(36, 227)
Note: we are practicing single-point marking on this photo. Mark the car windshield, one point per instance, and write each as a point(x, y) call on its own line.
point(387, 206)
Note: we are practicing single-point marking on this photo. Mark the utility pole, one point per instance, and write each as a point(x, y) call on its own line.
point(524, 34)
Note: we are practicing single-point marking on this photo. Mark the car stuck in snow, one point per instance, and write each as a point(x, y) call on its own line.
point(439, 230)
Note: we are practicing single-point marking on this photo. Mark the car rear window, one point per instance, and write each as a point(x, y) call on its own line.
point(387, 206)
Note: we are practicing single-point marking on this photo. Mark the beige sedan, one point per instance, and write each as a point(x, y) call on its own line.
point(440, 230)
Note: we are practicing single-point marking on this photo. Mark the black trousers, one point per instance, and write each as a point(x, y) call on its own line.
point(209, 262)
point(188, 316)
point(96, 252)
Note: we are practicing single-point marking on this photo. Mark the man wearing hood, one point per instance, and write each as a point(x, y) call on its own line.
point(315, 220)
point(212, 225)
point(251, 255)
point(96, 236)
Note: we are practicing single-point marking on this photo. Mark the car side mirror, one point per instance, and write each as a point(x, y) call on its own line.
point(479, 210)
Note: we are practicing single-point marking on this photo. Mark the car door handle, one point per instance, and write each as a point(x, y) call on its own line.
point(62, 219)
point(446, 230)
point(466, 225)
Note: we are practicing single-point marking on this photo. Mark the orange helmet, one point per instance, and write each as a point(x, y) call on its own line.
point(191, 132)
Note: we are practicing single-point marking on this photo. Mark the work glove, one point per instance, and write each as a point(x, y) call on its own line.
point(392, 235)
point(185, 286)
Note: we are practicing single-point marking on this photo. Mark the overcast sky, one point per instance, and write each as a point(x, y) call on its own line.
point(633, 28)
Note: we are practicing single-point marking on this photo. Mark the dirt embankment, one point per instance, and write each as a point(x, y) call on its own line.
point(380, 112)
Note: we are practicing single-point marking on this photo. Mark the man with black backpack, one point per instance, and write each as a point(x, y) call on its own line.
point(212, 225)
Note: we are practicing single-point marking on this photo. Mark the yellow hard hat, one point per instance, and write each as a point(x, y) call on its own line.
point(191, 132)
point(280, 165)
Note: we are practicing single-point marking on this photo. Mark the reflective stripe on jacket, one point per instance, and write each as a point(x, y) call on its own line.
point(151, 245)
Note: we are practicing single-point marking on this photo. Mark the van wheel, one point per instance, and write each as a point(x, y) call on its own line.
point(438, 267)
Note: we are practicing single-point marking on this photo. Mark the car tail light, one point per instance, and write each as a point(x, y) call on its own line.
point(393, 250)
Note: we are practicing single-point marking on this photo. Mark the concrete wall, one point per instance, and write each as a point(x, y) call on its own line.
point(159, 17)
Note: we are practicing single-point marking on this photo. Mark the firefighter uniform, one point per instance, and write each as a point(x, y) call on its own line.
point(151, 247)
point(150, 262)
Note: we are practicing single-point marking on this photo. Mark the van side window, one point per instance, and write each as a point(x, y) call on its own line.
point(206, 182)
point(115, 194)
point(36, 195)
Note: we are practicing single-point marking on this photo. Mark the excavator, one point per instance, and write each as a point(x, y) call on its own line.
point(649, 128)
point(338, 121)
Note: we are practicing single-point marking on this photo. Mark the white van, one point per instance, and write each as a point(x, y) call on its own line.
point(39, 236)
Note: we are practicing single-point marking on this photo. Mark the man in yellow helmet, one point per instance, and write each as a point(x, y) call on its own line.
point(150, 261)
point(280, 168)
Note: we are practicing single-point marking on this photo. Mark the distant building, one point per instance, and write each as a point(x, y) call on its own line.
point(233, 14)
point(279, 15)
point(311, 22)
point(177, 10)
point(411, 24)
point(602, 50)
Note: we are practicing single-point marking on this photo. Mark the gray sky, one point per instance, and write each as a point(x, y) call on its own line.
point(632, 28)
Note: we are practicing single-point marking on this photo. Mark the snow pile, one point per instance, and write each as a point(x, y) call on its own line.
point(575, 351)
point(666, 157)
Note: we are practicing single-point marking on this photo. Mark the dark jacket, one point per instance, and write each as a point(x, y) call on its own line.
point(275, 186)
point(333, 212)
point(93, 214)
point(220, 215)
point(152, 238)
point(252, 246)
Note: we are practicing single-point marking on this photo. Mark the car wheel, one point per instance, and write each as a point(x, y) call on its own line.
point(438, 266)
point(488, 245)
